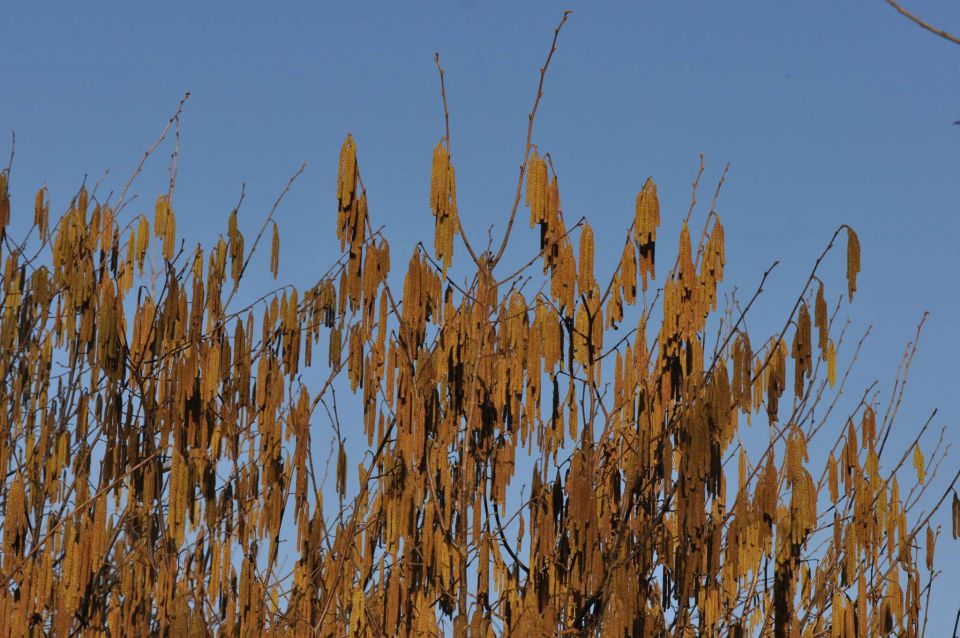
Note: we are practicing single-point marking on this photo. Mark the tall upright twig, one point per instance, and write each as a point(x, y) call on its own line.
point(527, 145)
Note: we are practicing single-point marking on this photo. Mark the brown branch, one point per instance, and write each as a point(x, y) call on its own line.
point(443, 97)
point(891, 414)
point(922, 23)
point(446, 122)
point(174, 119)
point(263, 228)
point(13, 151)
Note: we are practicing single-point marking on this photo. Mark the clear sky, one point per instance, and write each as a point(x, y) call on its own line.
point(829, 113)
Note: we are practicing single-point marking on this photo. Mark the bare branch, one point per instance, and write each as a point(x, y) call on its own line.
point(528, 146)
point(922, 23)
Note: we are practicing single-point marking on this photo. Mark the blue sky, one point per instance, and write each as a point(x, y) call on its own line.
point(828, 112)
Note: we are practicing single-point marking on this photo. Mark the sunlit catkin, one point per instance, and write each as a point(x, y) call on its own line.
point(585, 280)
point(646, 220)
point(347, 172)
point(41, 214)
point(443, 204)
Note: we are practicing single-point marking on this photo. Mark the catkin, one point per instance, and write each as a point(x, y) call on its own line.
point(4, 203)
point(41, 214)
point(537, 197)
point(831, 363)
point(802, 353)
point(955, 505)
point(647, 214)
point(853, 261)
point(347, 173)
point(919, 464)
point(585, 280)
point(832, 478)
point(275, 251)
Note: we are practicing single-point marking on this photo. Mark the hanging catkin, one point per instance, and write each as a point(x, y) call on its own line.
point(821, 321)
point(347, 173)
point(585, 280)
point(275, 251)
point(853, 261)
point(536, 194)
point(646, 220)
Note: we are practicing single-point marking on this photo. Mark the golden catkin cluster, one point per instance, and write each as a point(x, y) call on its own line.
point(165, 225)
point(540, 460)
point(538, 190)
point(646, 221)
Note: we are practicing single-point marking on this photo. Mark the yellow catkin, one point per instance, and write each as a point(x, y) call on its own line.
point(347, 172)
point(821, 321)
point(919, 463)
point(628, 274)
point(831, 363)
point(41, 213)
point(275, 251)
point(143, 241)
point(853, 261)
point(438, 177)
point(717, 250)
point(536, 194)
point(169, 232)
point(585, 279)
point(160, 209)
point(14, 514)
point(832, 478)
point(647, 214)
point(802, 350)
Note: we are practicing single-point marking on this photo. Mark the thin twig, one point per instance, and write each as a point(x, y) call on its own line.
point(446, 122)
point(266, 222)
point(527, 146)
point(163, 135)
point(13, 150)
point(922, 23)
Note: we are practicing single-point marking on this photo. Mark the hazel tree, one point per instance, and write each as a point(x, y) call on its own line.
point(157, 442)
